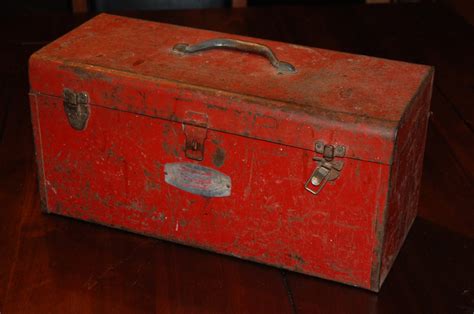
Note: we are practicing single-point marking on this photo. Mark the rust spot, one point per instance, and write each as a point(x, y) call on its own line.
point(190, 202)
point(342, 270)
point(87, 74)
point(114, 94)
point(357, 170)
point(147, 173)
point(169, 149)
point(216, 141)
point(297, 258)
point(104, 200)
point(346, 225)
point(161, 216)
point(346, 93)
point(133, 205)
point(211, 106)
point(138, 62)
point(271, 207)
point(60, 168)
point(265, 121)
point(158, 165)
point(152, 185)
point(226, 214)
point(173, 117)
point(219, 157)
point(110, 153)
point(183, 99)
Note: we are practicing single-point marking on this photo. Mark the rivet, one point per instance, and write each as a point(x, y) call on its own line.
point(319, 146)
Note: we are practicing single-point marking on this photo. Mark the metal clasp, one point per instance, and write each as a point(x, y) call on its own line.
point(76, 106)
point(327, 168)
point(195, 130)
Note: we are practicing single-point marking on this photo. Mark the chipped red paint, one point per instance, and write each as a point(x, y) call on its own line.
point(260, 129)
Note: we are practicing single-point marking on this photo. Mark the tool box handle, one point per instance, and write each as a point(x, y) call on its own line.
point(245, 46)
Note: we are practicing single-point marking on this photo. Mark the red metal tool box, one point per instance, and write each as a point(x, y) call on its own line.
point(302, 158)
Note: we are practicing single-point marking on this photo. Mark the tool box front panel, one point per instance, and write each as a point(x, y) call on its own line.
point(117, 172)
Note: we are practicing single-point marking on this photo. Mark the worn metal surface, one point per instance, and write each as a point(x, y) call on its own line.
point(258, 128)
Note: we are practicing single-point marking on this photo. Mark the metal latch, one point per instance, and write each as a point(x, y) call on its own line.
point(195, 130)
point(327, 168)
point(76, 106)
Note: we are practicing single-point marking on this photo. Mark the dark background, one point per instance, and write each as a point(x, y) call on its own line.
point(464, 8)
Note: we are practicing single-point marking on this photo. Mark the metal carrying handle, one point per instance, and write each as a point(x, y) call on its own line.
point(245, 46)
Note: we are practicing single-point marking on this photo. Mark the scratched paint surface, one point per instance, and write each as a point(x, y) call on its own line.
point(262, 131)
point(406, 179)
point(117, 178)
point(364, 86)
point(358, 97)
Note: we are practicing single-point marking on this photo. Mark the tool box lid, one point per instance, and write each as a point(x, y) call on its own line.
point(136, 66)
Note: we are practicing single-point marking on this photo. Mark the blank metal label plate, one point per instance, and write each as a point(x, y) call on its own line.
point(197, 179)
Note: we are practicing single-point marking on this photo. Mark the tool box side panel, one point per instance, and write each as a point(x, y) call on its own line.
point(113, 173)
point(405, 178)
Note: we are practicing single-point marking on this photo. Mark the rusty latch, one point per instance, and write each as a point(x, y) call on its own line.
point(76, 106)
point(195, 130)
point(327, 168)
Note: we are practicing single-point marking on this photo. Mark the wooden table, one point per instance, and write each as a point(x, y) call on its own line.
point(50, 264)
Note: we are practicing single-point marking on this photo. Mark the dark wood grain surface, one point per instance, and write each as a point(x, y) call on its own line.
point(50, 264)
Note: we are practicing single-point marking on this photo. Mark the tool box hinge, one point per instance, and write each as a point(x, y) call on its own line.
point(76, 106)
point(328, 168)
